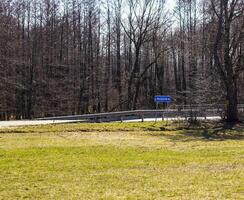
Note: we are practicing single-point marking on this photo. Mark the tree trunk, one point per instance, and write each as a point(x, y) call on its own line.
point(232, 111)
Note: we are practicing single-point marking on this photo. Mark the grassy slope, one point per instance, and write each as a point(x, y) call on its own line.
point(121, 161)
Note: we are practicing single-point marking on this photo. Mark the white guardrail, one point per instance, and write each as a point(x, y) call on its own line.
point(178, 112)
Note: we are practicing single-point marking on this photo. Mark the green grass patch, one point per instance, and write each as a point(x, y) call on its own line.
point(122, 161)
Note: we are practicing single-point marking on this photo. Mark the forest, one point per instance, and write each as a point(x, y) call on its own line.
point(64, 57)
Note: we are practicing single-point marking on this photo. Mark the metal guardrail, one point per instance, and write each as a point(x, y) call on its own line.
point(192, 112)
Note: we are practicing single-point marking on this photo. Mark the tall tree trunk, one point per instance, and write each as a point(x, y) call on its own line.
point(232, 111)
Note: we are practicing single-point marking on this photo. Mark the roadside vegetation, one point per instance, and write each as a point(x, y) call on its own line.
point(163, 160)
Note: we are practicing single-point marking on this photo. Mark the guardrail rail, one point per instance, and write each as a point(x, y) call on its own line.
point(185, 112)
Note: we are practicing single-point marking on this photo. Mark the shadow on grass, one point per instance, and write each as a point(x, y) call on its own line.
point(228, 131)
point(204, 132)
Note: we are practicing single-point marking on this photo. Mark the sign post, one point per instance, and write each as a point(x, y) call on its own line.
point(160, 99)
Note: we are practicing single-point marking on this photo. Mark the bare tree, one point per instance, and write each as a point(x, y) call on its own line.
point(142, 23)
point(78, 56)
point(228, 37)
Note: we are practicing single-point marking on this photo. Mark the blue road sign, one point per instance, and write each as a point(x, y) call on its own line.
point(162, 99)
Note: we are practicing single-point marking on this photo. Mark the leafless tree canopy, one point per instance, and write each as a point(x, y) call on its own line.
point(62, 57)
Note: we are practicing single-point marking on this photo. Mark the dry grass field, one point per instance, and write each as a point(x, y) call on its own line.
point(122, 161)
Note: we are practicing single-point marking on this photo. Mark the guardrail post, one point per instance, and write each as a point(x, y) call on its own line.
point(205, 114)
point(142, 118)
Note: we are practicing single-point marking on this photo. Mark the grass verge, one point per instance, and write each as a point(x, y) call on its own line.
point(122, 161)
